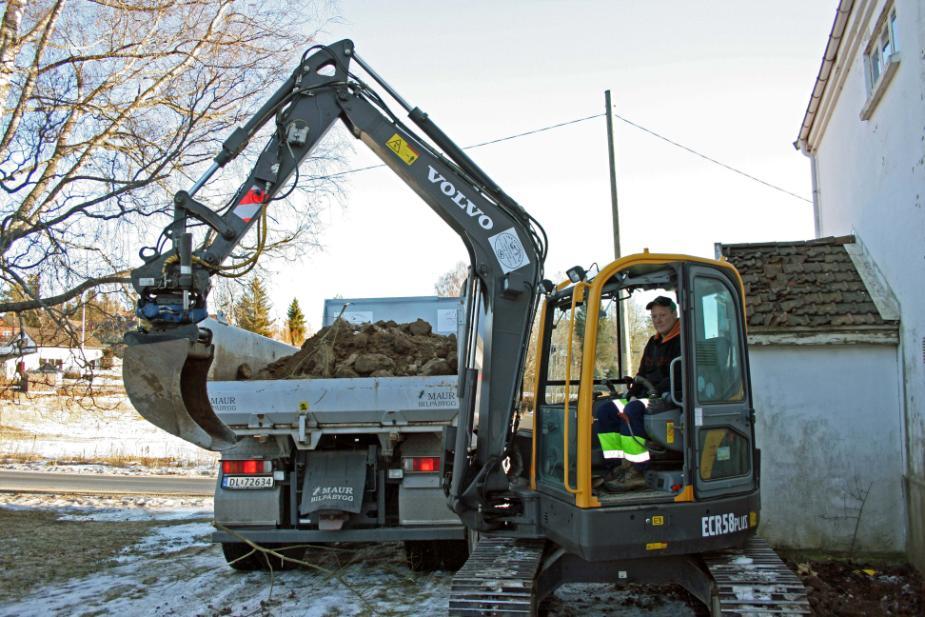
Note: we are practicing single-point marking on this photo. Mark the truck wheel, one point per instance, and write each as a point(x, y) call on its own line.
point(235, 556)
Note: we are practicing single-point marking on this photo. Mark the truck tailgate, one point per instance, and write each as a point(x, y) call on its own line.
point(390, 401)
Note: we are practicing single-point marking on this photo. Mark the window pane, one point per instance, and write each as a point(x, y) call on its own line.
point(558, 353)
point(605, 364)
point(723, 454)
point(717, 362)
point(885, 46)
point(892, 27)
point(874, 66)
point(551, 445)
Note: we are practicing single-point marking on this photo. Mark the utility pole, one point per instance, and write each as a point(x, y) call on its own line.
point(613, 177)
point(623, 350)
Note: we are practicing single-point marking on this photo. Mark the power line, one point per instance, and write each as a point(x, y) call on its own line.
point(712, 160)
point(584, 119)
point(533, 132)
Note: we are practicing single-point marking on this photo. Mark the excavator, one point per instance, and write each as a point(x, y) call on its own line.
point(536, 518)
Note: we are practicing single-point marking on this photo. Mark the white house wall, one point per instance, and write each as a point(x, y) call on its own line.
point(871, 182)
point(827, 435)
point(71, 359)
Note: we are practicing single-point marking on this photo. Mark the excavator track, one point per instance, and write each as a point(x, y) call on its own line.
point(498, 579)
point(753, 581)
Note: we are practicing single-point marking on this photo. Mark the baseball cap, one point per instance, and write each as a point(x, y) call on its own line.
point(662, 301)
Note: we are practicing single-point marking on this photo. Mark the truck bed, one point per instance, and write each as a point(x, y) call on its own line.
point(364, 401)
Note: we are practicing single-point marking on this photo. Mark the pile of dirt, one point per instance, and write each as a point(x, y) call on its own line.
point(849, 589)
point(381, 349)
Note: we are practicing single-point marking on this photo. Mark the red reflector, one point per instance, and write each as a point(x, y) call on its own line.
point(675, 488)
point(426, 463)
point(250, 467)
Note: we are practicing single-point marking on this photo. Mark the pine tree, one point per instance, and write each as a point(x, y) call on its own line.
point(295, 324)
point(253, 311)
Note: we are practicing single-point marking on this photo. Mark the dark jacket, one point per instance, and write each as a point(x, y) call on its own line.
point(656, 358)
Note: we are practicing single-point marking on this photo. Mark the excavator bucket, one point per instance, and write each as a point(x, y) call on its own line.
point(166, 382)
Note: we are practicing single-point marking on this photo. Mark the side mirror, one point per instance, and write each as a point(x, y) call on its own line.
point(674, 368)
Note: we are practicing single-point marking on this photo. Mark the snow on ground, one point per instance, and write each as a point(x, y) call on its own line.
point(42, 432)
point(175, 570)
point(112, 508)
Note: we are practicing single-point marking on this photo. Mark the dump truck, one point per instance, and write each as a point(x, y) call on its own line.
point(335, 459)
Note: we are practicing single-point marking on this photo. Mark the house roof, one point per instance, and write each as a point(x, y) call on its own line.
point(825, 71)
point(55, 336)
point(809, 287)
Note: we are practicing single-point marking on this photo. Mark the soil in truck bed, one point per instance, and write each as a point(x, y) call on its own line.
point(381, 349)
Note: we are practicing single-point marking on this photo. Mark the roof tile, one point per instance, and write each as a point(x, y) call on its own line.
point(803, 285)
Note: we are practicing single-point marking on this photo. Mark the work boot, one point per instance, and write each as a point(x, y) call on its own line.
point(610, 474)
point(629, 479)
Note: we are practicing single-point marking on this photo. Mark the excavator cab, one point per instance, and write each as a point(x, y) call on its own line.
point(699, 434)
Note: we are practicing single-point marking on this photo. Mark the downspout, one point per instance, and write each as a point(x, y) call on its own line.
point(817, 222)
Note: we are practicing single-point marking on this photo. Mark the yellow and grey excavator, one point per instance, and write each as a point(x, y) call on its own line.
point(526, 494)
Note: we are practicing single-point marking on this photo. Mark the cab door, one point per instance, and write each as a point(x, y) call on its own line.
point(723, 436)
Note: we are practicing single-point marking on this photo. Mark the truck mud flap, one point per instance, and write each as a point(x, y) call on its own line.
point(166, 382)
point(334, 481)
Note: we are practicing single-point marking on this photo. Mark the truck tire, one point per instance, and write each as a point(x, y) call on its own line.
point(428, 555)
point(235, 556)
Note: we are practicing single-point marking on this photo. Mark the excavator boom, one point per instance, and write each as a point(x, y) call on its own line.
point(168, 357)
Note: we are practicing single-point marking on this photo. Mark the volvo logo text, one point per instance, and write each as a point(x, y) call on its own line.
point(447, 188)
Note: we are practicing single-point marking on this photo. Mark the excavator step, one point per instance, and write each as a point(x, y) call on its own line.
point(498, 579)
point(753, 581)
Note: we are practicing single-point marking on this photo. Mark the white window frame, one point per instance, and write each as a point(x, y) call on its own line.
point(881, 59)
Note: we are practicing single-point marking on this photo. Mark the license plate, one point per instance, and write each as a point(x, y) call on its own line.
point(247, 482)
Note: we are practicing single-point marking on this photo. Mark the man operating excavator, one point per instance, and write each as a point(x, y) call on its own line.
point(620, 428)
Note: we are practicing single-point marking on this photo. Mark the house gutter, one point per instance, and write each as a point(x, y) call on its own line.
point(825, 71)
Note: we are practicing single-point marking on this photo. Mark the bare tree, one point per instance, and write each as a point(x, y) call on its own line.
point(108, 108)
point(451, 282)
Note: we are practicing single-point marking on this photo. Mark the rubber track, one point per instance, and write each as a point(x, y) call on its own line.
point(497, 579)
point(753, 581)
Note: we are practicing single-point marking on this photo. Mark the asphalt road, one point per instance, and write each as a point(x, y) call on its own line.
point(41, 482)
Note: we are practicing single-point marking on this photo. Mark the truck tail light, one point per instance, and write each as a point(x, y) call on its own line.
point(421, 464)
point(247, 467)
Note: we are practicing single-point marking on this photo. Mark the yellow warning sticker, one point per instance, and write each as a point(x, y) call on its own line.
point(669, 432)
point(656, 546)
point(658, 520)
point(400, 147)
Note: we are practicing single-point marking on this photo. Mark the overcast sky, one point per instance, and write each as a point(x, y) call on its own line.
point(730, 79)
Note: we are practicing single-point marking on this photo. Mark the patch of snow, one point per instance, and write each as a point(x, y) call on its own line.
point(170, 539)
point(118, 508)
point(743, 561)
point(52, 428)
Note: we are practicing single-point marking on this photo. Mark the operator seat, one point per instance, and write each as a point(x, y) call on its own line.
point(663, 424)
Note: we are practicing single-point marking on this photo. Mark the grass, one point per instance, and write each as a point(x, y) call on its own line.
point(12, 432)
point(39, 549)
point(153, 463)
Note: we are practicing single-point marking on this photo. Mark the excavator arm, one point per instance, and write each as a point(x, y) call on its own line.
point(168, 357)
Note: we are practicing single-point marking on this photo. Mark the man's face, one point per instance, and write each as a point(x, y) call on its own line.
point(663, 319)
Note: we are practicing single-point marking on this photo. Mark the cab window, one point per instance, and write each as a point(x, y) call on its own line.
point(717, 364)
